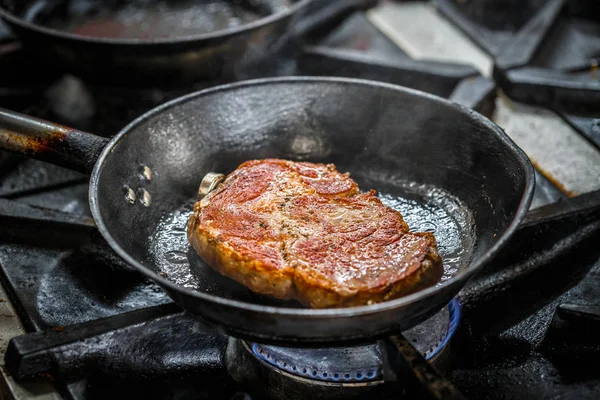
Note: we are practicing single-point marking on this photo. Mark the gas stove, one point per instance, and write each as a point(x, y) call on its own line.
point(77, 323)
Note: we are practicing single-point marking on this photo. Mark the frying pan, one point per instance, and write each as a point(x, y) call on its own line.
point(446, 167)
point(164, 53)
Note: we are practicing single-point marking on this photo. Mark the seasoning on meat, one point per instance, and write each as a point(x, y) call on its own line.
point(304, 231)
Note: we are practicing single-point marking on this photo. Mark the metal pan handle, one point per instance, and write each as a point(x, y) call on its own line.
point(402, 362)
point(50, 142)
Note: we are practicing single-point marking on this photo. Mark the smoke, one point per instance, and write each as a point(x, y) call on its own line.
point(269, 51)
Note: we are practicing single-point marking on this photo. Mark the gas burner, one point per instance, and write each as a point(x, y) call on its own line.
point(339, 371)
point(351, 364)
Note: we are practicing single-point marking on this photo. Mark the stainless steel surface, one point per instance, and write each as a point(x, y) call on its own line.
point(423, 34)
point(560, 153)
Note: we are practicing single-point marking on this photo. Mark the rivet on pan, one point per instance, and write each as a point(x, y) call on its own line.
point(146, 172)
point(145, 197)
point(129, 194)
point(209, 183)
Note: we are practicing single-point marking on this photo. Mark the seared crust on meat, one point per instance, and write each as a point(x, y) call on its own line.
point(303, 231)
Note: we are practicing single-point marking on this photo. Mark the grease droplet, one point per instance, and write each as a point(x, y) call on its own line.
point(176, 257)
point(179, 231)
point(427, 227)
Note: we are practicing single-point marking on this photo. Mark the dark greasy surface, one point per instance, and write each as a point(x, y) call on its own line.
point(533, 348)
point(517, 365)
point(71, 273)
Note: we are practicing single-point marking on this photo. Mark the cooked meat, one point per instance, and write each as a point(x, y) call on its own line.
point(296, 230)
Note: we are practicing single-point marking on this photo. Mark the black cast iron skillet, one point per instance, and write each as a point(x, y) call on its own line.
point(162, 48)
point(462, 176)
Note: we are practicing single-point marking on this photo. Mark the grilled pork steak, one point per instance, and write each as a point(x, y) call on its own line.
point(296, 230)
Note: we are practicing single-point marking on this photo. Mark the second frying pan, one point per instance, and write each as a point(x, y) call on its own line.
point(447, 168)
point(163, 43)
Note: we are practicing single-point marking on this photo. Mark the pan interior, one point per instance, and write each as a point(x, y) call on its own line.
point(424, 208)
point(145, 19)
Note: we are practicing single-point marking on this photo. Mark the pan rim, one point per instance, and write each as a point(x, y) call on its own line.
point(459, 277)
point(215, 35)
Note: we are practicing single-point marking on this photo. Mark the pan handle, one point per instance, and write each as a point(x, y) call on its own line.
point(49, 142)
point(402, 362)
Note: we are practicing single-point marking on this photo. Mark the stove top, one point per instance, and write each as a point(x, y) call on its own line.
point(78, 323)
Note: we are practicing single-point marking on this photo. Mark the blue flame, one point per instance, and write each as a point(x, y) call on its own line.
point(360, 375)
